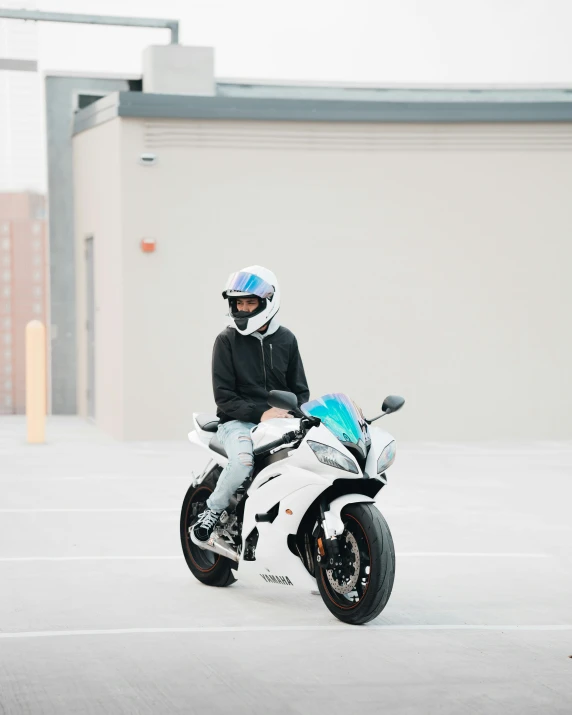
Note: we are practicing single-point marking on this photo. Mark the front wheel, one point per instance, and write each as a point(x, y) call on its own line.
point(358, 589)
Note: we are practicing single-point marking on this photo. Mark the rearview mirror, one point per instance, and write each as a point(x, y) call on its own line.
point(283, 400)
point(392, 403)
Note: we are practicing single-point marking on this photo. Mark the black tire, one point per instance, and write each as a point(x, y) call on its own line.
point(371, 537)
point(206, 566)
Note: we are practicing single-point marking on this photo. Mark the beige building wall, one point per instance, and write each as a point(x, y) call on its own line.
point(98, 197)
point(424, 260)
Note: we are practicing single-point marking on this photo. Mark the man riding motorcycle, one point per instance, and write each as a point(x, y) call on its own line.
point(253, 355)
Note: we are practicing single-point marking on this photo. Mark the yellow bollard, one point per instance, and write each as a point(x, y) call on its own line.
point(36, 381)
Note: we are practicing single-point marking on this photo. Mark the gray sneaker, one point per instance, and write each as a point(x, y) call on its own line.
point(205, 525)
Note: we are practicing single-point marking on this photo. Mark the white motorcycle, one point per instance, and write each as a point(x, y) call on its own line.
point(308, 513)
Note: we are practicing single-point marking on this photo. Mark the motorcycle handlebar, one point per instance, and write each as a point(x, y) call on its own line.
point(306, 423)
point(285, 439)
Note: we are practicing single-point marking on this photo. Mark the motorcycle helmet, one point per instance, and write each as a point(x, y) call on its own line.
point(257, 282)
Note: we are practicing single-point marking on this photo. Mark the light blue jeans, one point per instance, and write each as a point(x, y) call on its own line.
point(237, 442)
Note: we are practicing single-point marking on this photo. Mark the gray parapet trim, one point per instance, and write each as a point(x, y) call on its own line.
point(61, 95)
point(397, 106)
point(103, 110)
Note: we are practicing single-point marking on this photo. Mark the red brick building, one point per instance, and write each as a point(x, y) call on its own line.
point(23, 289)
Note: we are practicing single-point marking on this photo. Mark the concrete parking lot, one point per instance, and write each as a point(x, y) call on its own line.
point(99, 613)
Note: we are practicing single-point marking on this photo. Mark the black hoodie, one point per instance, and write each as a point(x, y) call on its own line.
point(246, 367)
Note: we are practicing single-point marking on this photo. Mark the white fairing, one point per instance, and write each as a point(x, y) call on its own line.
point(271, 430)
point(334, 526)
point(294, 483)
point(379, 441)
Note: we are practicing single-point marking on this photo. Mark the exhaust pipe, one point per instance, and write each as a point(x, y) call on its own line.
point(216, 544)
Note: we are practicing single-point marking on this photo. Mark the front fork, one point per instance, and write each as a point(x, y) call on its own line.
point(328, 556)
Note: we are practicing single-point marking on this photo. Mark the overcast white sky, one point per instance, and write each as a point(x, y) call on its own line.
point(425, 41)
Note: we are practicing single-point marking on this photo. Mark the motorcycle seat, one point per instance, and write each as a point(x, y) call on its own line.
point(207, 422)
point(217, 447)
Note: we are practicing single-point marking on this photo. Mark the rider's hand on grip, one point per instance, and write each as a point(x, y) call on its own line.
point(272, 413)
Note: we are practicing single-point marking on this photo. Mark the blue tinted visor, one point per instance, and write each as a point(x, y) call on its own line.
point(248, 283)
point(342, 417)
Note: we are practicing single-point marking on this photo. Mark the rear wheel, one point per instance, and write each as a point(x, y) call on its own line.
point(359, 588)
point(209, 568)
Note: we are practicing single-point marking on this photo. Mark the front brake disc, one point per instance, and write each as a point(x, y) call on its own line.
point(348, 582)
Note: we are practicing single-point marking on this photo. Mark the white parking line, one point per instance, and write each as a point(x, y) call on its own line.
point(479, 554)
point(275, 629)
point(46, 478)
point(8, 559)
point(4, 559)
point(113, 510)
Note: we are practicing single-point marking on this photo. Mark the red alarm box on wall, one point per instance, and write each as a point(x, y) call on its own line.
point(148, 245)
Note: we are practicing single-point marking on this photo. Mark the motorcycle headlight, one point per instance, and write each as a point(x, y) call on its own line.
point(332, 457)
point(386, 458)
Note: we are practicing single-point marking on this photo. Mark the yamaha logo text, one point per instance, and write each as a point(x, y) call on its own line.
point(282, 580)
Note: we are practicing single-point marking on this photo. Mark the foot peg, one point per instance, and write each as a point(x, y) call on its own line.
point(216, 544)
